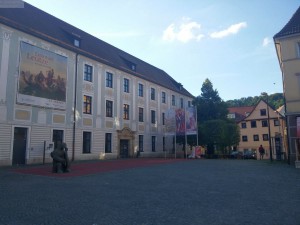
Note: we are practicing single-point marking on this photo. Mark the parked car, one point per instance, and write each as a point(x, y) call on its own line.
point(249, 154)
point(236, 155)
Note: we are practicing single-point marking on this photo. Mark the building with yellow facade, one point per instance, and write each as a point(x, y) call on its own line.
point(287, 43)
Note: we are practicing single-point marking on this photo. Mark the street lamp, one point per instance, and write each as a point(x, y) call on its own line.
point(269, 131)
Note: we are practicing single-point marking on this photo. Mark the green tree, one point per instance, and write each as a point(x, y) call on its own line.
point(214, 129)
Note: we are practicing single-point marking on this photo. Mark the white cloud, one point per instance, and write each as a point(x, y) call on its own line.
point(233, 29)
point(266, 42)
point(187, 30)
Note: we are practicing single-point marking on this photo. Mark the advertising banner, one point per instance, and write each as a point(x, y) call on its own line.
point(180, 121)
point(191, 124)
point(42, 77)
point(170, 122)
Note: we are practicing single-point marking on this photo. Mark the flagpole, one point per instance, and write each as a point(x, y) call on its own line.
point(185, 134)
point(197, 124)
point(175, 144)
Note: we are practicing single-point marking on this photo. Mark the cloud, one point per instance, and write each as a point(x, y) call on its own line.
point(266, 41)
point(233, 29)
point(187, 31)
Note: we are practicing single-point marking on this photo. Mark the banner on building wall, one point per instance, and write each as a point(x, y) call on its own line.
point(180, 121)
point(170, 122)
point(42, 77)
point(191, 123)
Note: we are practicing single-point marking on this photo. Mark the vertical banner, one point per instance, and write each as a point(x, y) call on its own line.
point(170, 122)
point(42, 77)
point(191, 123)
point(180, 121)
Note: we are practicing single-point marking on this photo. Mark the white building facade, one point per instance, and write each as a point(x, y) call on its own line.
point(57, 83)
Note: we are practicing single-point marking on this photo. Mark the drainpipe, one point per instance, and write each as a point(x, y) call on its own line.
point(74, 107)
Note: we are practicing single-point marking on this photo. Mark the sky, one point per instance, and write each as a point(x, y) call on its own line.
point(230, 42)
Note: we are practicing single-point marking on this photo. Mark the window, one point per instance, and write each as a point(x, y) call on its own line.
point(86, 142)
point(173, 100)
point(109, 80)
point(164, 143)
point(76, 43)
point(126, 112)
point(264, 123)
point(298, 49)
point(153, 143)
point(181, 103)
point(87, 104)
point(163, 118)
point(88, 73)
point(189, 104)
point(163, 97)
point(255, 137)
point(253, 124)
point(141, 114)
point(244, 125)
point(263, 112)
point(244, 138)
point(141, 90)
point(265, 137)
point(109, 108)
point(276, 123)
point(126, 85)
point(141, 143)
point(153, 117)
point(152, 94)
point(108, 142)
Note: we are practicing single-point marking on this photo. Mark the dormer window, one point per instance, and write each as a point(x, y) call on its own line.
point(76, 43)
point(133, 67)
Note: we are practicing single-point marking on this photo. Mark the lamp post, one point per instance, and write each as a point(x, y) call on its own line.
point(269, 130)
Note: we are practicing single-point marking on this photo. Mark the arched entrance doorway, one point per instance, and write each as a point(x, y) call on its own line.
point(126, 143)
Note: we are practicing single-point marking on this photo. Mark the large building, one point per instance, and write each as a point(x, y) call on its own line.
point(59, 83)
point(260, 125)
point(287, 43)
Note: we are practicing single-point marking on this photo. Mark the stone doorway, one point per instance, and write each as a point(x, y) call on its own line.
point(126, 137)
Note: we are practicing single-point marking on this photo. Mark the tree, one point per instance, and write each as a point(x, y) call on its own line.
point(214, 129)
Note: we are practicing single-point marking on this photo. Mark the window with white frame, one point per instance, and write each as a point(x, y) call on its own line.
point(163, 97)
point(87, 104)
point(109, 108)
point(141, 90)
point(126, 112)
point(108, 142)
point(152, 94)
point(86, 142)
point(109, 80)
point(88, 73)
point(126, 85)
point(173, 100)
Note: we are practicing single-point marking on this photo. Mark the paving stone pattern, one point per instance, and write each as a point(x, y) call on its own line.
point(190, 192)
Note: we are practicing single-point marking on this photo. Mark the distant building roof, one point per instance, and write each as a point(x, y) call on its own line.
point(292, 27)
point(38, 23)
point(240, 112)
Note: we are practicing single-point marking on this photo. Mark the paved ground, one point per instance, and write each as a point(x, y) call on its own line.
point(189, 192)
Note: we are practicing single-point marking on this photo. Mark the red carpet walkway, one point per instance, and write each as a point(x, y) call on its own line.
point(93, 167)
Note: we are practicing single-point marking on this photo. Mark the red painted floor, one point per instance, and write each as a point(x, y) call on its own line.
point(93, 167)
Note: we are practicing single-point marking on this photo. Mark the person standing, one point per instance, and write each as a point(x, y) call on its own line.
point(261, 151)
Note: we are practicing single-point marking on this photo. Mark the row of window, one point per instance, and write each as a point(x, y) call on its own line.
point(87, 142)
point(264, 123)
point(109, 113)
point(265, 137)
point(88, 76)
